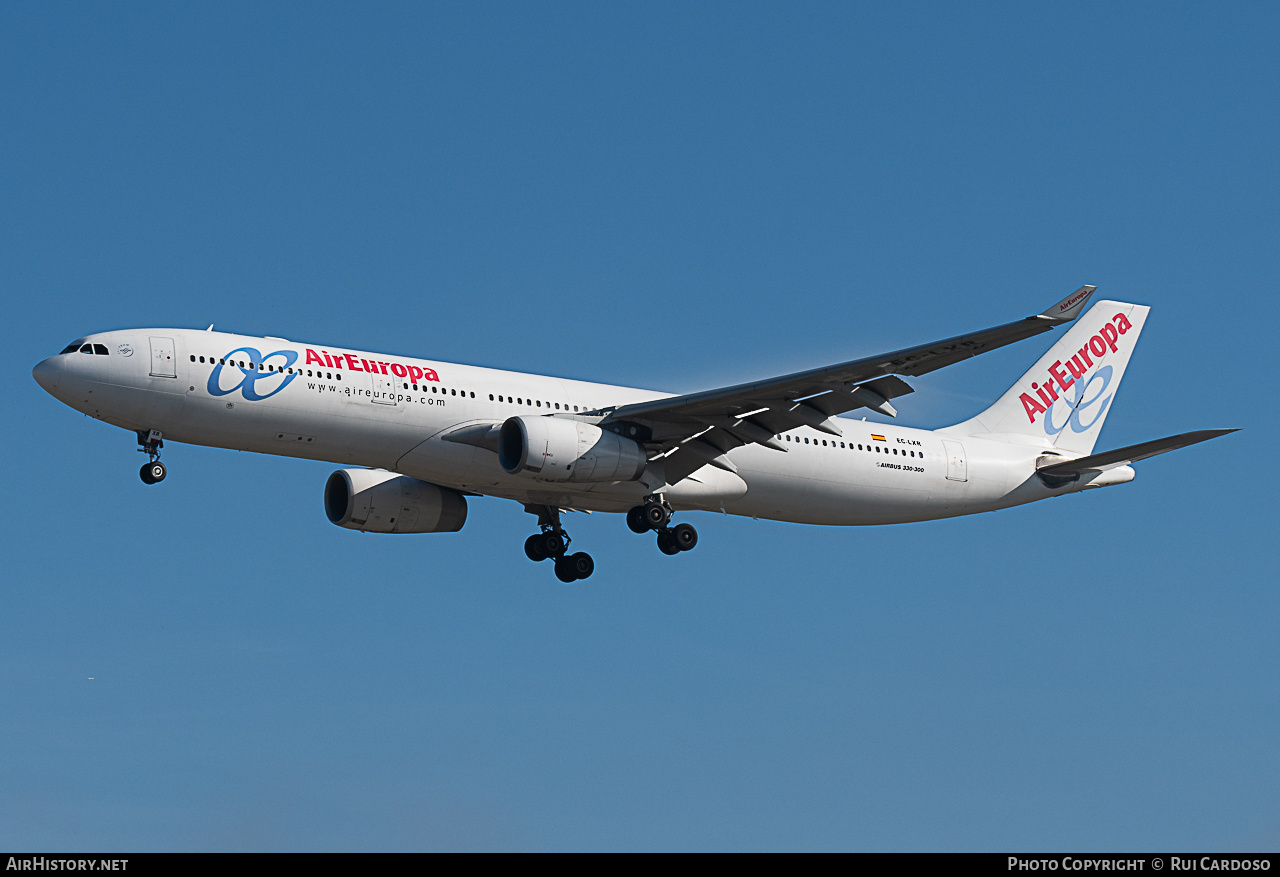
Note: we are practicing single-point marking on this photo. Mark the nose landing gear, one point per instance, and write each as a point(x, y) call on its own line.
point(151, 442)
point(553, 542)
point(655, 515)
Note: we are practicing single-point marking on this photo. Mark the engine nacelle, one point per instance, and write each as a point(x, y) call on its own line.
point(559, 449)
point(378, 501)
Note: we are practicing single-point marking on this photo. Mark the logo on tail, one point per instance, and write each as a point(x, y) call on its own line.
point(1092, 353)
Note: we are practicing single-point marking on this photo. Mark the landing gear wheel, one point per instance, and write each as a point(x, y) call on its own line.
point(152, 473)
point(636, 520)
point(553, 544)
point(564, 570)
point(533, 548)
point(684, 536)
point(582, 565)
point(667, 542)
point(655, 515)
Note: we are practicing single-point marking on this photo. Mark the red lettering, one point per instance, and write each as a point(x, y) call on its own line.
point(1109, 332)
point(1062, 379)
point(1032, 407)
point(1122, 323)
point(351, 362)
point(313, 358)
point(383, 366)
point(1076, 367)
point(1044, 397)
point(369, 366)
point(430, 375)
point(1098, 346)
point(1084, 351)
point(415, 373)
point(327, 360)
point(398, 370)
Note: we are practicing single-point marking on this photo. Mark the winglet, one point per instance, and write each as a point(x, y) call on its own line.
point(1070, 307)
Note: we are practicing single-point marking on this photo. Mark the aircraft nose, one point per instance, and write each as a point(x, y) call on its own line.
point(47, 373)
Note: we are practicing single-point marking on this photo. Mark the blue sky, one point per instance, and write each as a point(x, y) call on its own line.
point(670, 196)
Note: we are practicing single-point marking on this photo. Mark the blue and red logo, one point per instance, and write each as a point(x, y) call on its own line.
point(1060, 380)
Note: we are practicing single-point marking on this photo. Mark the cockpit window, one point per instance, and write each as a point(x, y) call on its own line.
point(87, 348)
point(100, 350)
point(73, 346)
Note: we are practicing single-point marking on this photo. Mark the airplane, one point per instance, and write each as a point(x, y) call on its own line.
point(426, 435)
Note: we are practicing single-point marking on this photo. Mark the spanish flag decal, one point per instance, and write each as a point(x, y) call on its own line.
point(878, 438)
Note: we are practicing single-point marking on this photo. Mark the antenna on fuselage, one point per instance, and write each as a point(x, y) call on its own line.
point(210, 329)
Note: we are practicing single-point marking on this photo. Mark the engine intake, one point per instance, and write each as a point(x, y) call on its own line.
point(378, 501)
point(558, 449)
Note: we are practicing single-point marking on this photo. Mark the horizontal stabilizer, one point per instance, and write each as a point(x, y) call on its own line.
point(1131, 454)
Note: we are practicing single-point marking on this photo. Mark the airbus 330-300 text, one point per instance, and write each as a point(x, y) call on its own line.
point(429, 434)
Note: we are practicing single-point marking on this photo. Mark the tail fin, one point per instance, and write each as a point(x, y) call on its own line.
point(1066, 395)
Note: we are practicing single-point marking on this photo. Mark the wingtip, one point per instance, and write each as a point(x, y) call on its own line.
point(1071, 306)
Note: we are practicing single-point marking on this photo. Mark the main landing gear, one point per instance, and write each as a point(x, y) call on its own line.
point(553, 542)
point(656, 515)
point(152, 472)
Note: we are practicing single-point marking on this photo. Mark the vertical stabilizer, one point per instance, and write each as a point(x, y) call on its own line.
point(1064, 398)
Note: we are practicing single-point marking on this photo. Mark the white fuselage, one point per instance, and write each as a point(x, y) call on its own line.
point(394, 413)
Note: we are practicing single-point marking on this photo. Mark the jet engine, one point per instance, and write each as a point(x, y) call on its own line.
point(378, 501)
point(558, 449)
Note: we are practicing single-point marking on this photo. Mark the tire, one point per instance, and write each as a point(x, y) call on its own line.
point(667, 542)
point(158, 471)
point(533, 548)
point(145, 474)
point(655, 516)
point(582, 565)
point(553, 544)
point(684, 536)
point(564, 570)
point(636, 520)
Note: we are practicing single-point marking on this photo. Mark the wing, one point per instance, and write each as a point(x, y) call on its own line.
point(697, 429)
